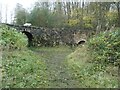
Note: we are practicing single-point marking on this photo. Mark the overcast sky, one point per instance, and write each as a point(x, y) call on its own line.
point(11, 4)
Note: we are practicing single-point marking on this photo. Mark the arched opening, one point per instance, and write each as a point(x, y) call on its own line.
point(29, 36)
point(81, 42)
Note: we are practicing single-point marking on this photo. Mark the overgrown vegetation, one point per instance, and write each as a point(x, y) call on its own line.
point(94, 65)
point(10, 39)
point(105, 47)
point(21, 67)
point(97, 65)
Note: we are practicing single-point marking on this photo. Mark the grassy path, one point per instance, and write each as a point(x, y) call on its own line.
point(58, 74)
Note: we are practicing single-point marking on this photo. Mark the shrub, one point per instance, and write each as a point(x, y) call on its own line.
point(88, 20)
point(105, 46)
point(90, 74)
point(11, 39)
point(20, 68)
point(23, 69)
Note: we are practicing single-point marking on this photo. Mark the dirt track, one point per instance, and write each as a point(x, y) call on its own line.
point(59, 75)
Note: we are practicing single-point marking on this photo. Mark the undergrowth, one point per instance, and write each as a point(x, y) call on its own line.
point(11, 39)
point(89, 74)
point(105, 47)
point(21, 67)
point(95, 64)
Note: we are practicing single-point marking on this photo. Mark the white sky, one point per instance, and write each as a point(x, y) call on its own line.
point(11, 4)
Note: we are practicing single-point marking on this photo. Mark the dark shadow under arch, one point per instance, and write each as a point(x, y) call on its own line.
point(29, 36)
point(81, 42)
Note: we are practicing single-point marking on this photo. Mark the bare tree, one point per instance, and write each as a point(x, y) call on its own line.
point(0, 13)
point(118, 9)
point(11, 17)
point(68, 10)
point(6, 11)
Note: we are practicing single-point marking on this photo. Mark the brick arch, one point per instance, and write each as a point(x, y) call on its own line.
point(29, 36)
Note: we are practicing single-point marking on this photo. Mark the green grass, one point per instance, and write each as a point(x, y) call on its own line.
point(55, 67)
point(23, 68)
point(90, 74)
point(59, 48)
point(36, 68)
point(58, 73)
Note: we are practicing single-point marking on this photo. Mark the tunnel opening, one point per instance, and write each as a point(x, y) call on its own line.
point(81, 42)
point(29, 36)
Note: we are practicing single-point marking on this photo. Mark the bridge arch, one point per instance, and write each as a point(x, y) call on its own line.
point(29, 36)
point(81, 42)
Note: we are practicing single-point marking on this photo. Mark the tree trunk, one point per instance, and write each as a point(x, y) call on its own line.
point(118, 8)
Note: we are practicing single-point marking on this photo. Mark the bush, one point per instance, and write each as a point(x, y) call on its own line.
point(23, 69)
point(105, 46)
point(96, 71)
point(11, 39)
point(90, 74)
point(112, 17)
point(20, 68)
point(88, 20)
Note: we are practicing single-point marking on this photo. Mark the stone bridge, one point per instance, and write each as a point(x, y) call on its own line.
point(39, 36)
